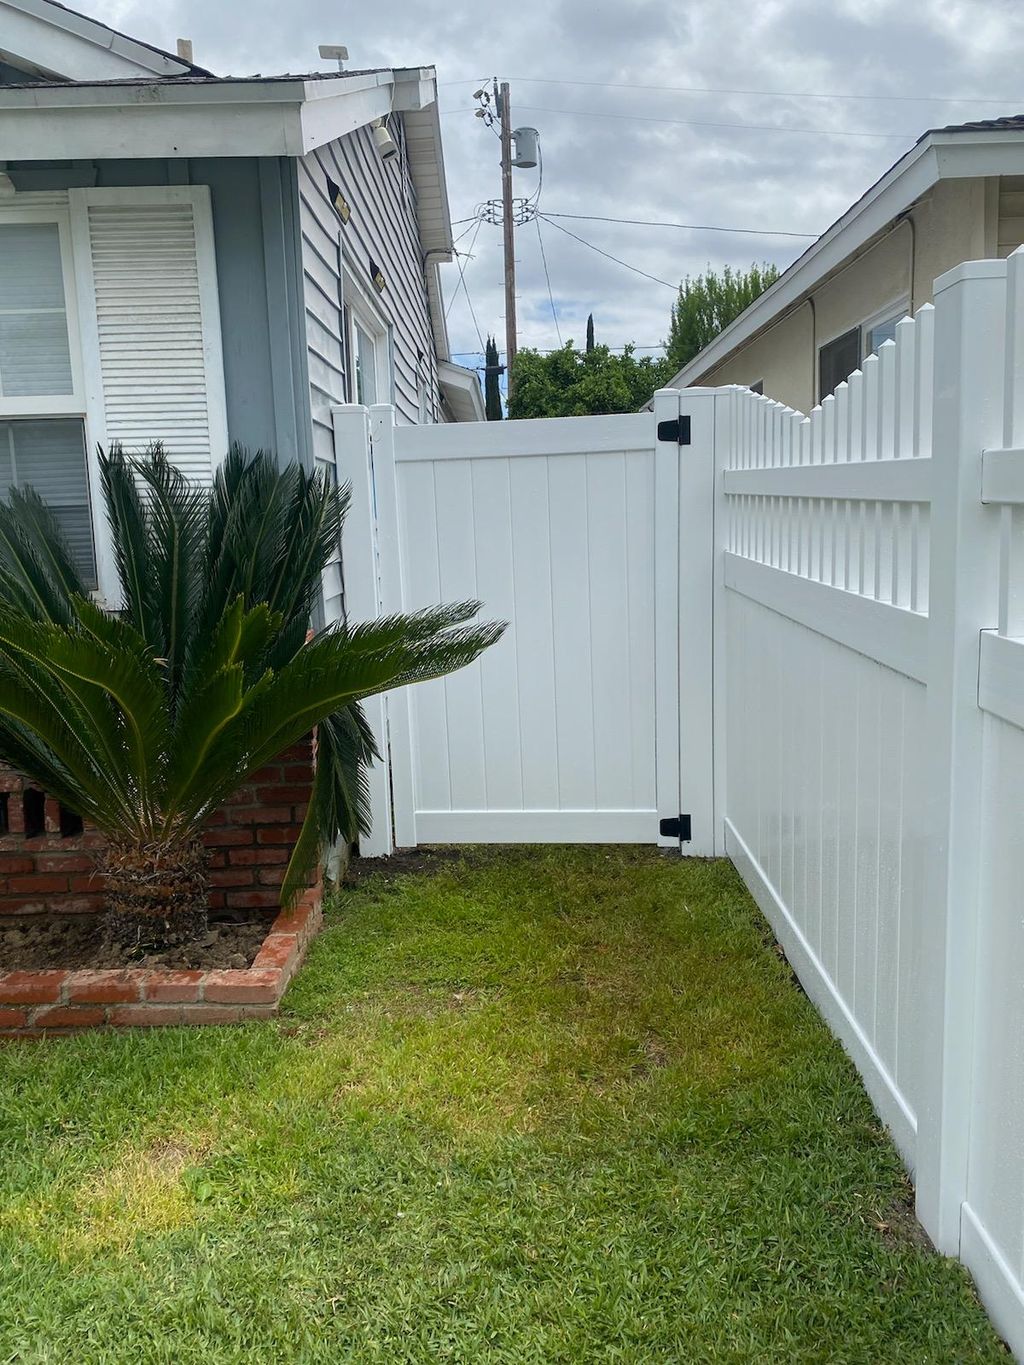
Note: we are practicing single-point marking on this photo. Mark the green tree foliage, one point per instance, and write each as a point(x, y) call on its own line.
point(492, 390)
point(709, 303)
point(145, 721)
point(590, 332)
point(573, 383)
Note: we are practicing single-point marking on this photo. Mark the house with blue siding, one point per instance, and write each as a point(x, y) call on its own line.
point(197, 259)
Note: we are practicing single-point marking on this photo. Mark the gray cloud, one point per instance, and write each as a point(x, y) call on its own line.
point(617, 167)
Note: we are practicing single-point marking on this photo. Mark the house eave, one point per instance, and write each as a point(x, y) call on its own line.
point(937, 156)
point(289, 116)
point(461, 387)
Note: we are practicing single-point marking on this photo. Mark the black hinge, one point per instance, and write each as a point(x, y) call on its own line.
point(677, 829)
point(678, 430)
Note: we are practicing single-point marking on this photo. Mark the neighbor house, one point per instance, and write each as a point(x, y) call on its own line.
point(193, 259)
point(957, 195)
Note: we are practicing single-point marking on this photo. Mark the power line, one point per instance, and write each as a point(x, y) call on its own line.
point(636, 270)
point(780, 94)
point(547, 278)
point(701, 123)
point(689, 227)
point(549, 350)
point(465, 290)
point(648, 222)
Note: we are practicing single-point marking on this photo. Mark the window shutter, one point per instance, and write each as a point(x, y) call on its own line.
point(150, 321)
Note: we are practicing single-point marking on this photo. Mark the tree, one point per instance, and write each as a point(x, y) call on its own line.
point(590, 332)
point(492, 390)
point(569, 382)
point(709, 303)
point(144, 722)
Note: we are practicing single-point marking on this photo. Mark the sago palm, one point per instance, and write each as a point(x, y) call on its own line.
point(145, 720)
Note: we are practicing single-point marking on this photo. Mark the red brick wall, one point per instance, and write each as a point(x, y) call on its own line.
point(250, 840)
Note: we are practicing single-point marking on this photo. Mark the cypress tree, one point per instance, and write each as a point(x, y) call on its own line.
point(492, 390)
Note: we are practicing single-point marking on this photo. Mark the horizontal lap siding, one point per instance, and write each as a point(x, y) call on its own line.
point(383, 227)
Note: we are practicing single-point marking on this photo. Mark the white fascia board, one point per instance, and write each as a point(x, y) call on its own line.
point(73, 47)
point(462, 389)
point(187, 118)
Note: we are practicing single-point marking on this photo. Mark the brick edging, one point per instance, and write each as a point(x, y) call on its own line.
point(43, 1002)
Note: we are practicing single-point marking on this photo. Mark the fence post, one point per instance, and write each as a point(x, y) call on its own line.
point(970, 303)
point(392, 600)
point(666, 615)
point(354, 463)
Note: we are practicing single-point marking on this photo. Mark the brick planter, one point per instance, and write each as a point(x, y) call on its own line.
point(48, 866)
point(44, 1002)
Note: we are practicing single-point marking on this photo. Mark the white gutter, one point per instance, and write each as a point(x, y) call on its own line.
point(937, 156)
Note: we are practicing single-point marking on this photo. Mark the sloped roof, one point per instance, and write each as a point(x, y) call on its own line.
point(53, 33)
point(983, 125)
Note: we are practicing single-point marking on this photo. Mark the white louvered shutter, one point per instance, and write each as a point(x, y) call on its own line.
point(151, 322)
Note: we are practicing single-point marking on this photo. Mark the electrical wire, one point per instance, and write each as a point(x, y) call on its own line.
point(688, 227)
point(701, 123)
point(601, 252)
point(715, 90)
point(547, 278)
point(465, 290)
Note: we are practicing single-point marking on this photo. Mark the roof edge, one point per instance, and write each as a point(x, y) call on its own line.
point(921, 167)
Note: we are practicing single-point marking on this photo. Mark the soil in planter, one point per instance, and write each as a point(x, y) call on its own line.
point(73, 943)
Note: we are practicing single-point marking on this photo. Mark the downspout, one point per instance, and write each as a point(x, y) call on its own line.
point(814, 349)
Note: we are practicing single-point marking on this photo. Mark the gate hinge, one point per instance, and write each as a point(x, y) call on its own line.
point(677, 429)
point(677, 829)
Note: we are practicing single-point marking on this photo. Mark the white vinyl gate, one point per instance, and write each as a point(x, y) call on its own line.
point(568, 730)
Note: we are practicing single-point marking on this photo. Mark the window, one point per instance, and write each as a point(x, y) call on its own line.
point(42, 408)
point(882, 328)
point(837, 361)
point(364, 351)
point(367, 346)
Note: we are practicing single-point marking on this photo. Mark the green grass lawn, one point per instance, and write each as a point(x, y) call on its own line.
point(533, 1106)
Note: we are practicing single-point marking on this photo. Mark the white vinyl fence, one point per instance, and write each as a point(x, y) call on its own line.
point(797, 641)
point(870, 646)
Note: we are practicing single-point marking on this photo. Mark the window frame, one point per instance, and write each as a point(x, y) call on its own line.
point(75, 403)
point(892, 312)
point(359, 307)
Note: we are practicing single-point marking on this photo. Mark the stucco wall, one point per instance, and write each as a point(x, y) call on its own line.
point(954, 222)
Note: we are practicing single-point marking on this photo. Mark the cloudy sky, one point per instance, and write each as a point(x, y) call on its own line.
point(769, 115)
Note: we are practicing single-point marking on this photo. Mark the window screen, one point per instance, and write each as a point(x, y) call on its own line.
point(35, 359)
point(49, 456)
point(837, 361)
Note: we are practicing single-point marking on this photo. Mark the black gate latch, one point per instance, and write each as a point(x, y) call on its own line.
point(678, 430)
point(676, 829)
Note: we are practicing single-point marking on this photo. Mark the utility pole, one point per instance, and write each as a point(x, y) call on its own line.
point(508, 226)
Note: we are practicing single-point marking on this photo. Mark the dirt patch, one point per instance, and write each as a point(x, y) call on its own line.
point(898, 1225)
point(73, 943)
point(402, 863)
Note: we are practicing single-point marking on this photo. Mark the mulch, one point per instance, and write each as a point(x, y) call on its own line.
point(74, 943)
